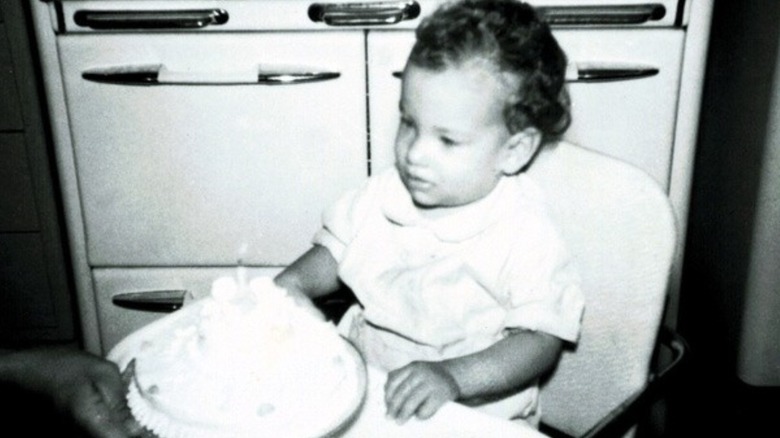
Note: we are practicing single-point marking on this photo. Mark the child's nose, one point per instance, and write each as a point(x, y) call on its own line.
point(418, 152)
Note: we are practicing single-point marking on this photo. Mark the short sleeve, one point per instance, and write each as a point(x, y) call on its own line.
point(337, 226)
point(544, 287)
point(342, 219)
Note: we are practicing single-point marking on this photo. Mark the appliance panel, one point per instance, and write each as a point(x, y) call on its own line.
point(632, 119)
point(295, 14)
point(188, 175)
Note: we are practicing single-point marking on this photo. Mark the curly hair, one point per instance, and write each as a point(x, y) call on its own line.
point(509, 35)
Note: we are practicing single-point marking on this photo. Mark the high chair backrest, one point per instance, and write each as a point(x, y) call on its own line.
point(621, 231)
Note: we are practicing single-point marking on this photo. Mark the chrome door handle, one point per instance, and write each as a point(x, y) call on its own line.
point(602, 15)
point(364, 14)
point(598, 72)
point(157, 74)
point(607, 72)
point(150, 19)
point(281, 78)
point(126, 75)
point(151, 301)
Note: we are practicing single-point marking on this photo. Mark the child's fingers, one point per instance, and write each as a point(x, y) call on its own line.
point(412, 403)
point(396, 401)
point(408, 390)
point(429, 407)
point(394, 381)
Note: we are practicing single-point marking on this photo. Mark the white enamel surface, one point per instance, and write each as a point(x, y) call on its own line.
point(188, 175)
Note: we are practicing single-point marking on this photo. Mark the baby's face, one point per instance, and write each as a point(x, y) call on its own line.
point(452, 137)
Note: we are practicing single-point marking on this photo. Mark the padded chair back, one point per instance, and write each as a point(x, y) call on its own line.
point(620, 228)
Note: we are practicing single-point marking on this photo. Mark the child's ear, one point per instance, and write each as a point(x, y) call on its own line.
point(519, 149)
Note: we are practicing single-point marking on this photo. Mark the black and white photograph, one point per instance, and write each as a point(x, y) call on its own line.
point(389, 218)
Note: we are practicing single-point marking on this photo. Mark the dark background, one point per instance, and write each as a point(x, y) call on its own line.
point(711, 400)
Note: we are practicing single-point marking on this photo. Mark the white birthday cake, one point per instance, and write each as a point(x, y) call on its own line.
point(243, 362)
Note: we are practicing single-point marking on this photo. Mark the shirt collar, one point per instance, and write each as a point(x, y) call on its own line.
point(462, 223)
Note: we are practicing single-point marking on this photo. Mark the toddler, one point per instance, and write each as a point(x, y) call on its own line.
point(465, 289)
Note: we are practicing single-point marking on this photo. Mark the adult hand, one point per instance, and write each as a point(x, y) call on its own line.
point(83, 386)
point(420, 389)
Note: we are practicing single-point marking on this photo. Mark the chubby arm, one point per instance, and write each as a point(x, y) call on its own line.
point(312, 275)
point(510, 364)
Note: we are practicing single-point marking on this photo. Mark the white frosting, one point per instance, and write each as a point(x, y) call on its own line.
point(246, 361)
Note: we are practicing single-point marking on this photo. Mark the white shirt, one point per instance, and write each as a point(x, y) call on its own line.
point(433, 289)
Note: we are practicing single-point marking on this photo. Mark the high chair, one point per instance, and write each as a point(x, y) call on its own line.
point(621, 231)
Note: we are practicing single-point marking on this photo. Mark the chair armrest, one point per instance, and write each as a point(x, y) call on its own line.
point(678, 347)
point(626, 415)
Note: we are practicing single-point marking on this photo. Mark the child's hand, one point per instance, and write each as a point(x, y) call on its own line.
point(420, 389)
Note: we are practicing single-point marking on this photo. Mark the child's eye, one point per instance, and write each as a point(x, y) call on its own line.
point(447, 141)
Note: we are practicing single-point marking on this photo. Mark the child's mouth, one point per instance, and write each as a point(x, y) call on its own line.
point(414, 182)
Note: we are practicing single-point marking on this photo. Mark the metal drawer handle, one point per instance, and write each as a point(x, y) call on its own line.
point(602, 15)
point(364, 14)
point(165, 19)
point(607, 72)
point(599, 72)
point(158, 75)
point(282, 78)
point(151, 301)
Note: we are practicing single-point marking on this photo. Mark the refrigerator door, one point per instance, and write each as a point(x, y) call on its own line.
point(203, 149)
